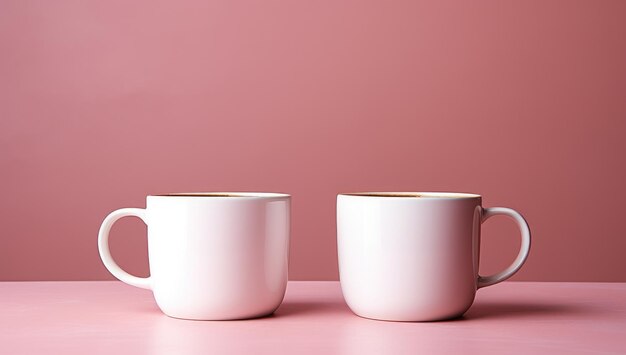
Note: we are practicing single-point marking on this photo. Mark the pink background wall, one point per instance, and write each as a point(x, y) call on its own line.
point(102, 103)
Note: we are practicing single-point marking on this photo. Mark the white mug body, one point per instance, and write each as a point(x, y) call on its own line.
point(409, 256)
point(217, 256)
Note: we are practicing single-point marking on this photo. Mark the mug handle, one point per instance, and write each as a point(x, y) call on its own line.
point(484, 281)
point(105, 252)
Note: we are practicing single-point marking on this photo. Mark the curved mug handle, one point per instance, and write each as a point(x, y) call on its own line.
point(105, 252)
point(484, 281)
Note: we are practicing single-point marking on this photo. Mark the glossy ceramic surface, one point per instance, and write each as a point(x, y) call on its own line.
point(212, 257)
point(414, 256)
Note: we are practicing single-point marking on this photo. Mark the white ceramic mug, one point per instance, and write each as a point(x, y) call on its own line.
point(212, 256)
point(407, 256)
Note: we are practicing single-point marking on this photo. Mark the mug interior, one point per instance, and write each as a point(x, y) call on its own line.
point(413, 194)
point(225, 194)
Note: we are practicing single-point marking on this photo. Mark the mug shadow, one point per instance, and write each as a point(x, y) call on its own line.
point(303, 308)
point(286, 309)
point(482, 310)
point(500, 310)
point(478, 311)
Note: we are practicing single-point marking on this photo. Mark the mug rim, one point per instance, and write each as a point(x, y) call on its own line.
point(223, 195)
point(410, 194)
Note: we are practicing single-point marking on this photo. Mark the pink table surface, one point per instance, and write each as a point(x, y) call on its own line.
point(113, 318)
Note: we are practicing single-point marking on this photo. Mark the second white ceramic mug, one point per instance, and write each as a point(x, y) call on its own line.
point(213, 256)
point(407, 256)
